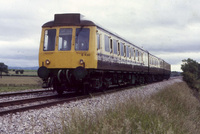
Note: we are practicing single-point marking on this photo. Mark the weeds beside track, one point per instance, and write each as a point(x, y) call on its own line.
point(172, 110)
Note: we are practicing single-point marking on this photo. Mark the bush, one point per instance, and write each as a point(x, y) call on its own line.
point(191, 72)
point(189, 78)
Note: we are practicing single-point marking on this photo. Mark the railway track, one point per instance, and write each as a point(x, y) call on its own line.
point(21, 105)
point(50, 100)
point(33, 103)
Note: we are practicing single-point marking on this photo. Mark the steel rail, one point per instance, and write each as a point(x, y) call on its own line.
point(59, 100)
point(28, 100)
point(45, 104)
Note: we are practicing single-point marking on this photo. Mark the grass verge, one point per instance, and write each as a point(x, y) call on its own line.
point(172, 110)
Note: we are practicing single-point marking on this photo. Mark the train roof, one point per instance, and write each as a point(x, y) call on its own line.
point(73, 19)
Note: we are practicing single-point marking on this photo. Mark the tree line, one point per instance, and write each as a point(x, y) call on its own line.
point(3, 68)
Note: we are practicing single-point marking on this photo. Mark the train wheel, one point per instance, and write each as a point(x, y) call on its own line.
point(58, 89)
point(60, 92)
point(150, 79)
point(105, 85)
point(142, 80)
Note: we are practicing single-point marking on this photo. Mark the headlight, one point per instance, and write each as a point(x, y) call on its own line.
point(47, 62)
point(81, 62)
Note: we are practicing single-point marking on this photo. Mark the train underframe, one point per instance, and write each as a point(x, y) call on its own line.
point(85, 81)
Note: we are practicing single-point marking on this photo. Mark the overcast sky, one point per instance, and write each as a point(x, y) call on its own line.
point(169, 29)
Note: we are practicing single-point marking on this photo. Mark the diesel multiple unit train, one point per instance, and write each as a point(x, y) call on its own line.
point(77, 54)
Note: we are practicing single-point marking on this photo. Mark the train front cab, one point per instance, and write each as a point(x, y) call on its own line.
point(66, 51)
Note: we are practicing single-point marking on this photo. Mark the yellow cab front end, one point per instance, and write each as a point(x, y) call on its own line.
point(67, 51)
point(68, 47)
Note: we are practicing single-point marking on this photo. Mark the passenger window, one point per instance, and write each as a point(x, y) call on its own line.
point(150, 60)
point(138, 55)
point(82, 39)
point(130, 52)
point(98, 41)
point(111, 46)
point(118, 48)
point(142, 57)
point(122, 49)
point(133, 53)
point(115, 46)
point(65, 39)
point(127, 51)
point(107, 48)
point(49, 40)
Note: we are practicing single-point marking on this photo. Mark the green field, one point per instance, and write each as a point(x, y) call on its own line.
point(16, 83)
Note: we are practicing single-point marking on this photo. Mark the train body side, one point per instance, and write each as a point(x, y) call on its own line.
point(116, 54)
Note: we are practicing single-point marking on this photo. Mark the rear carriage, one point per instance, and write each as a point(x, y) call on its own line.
point(76, 53)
